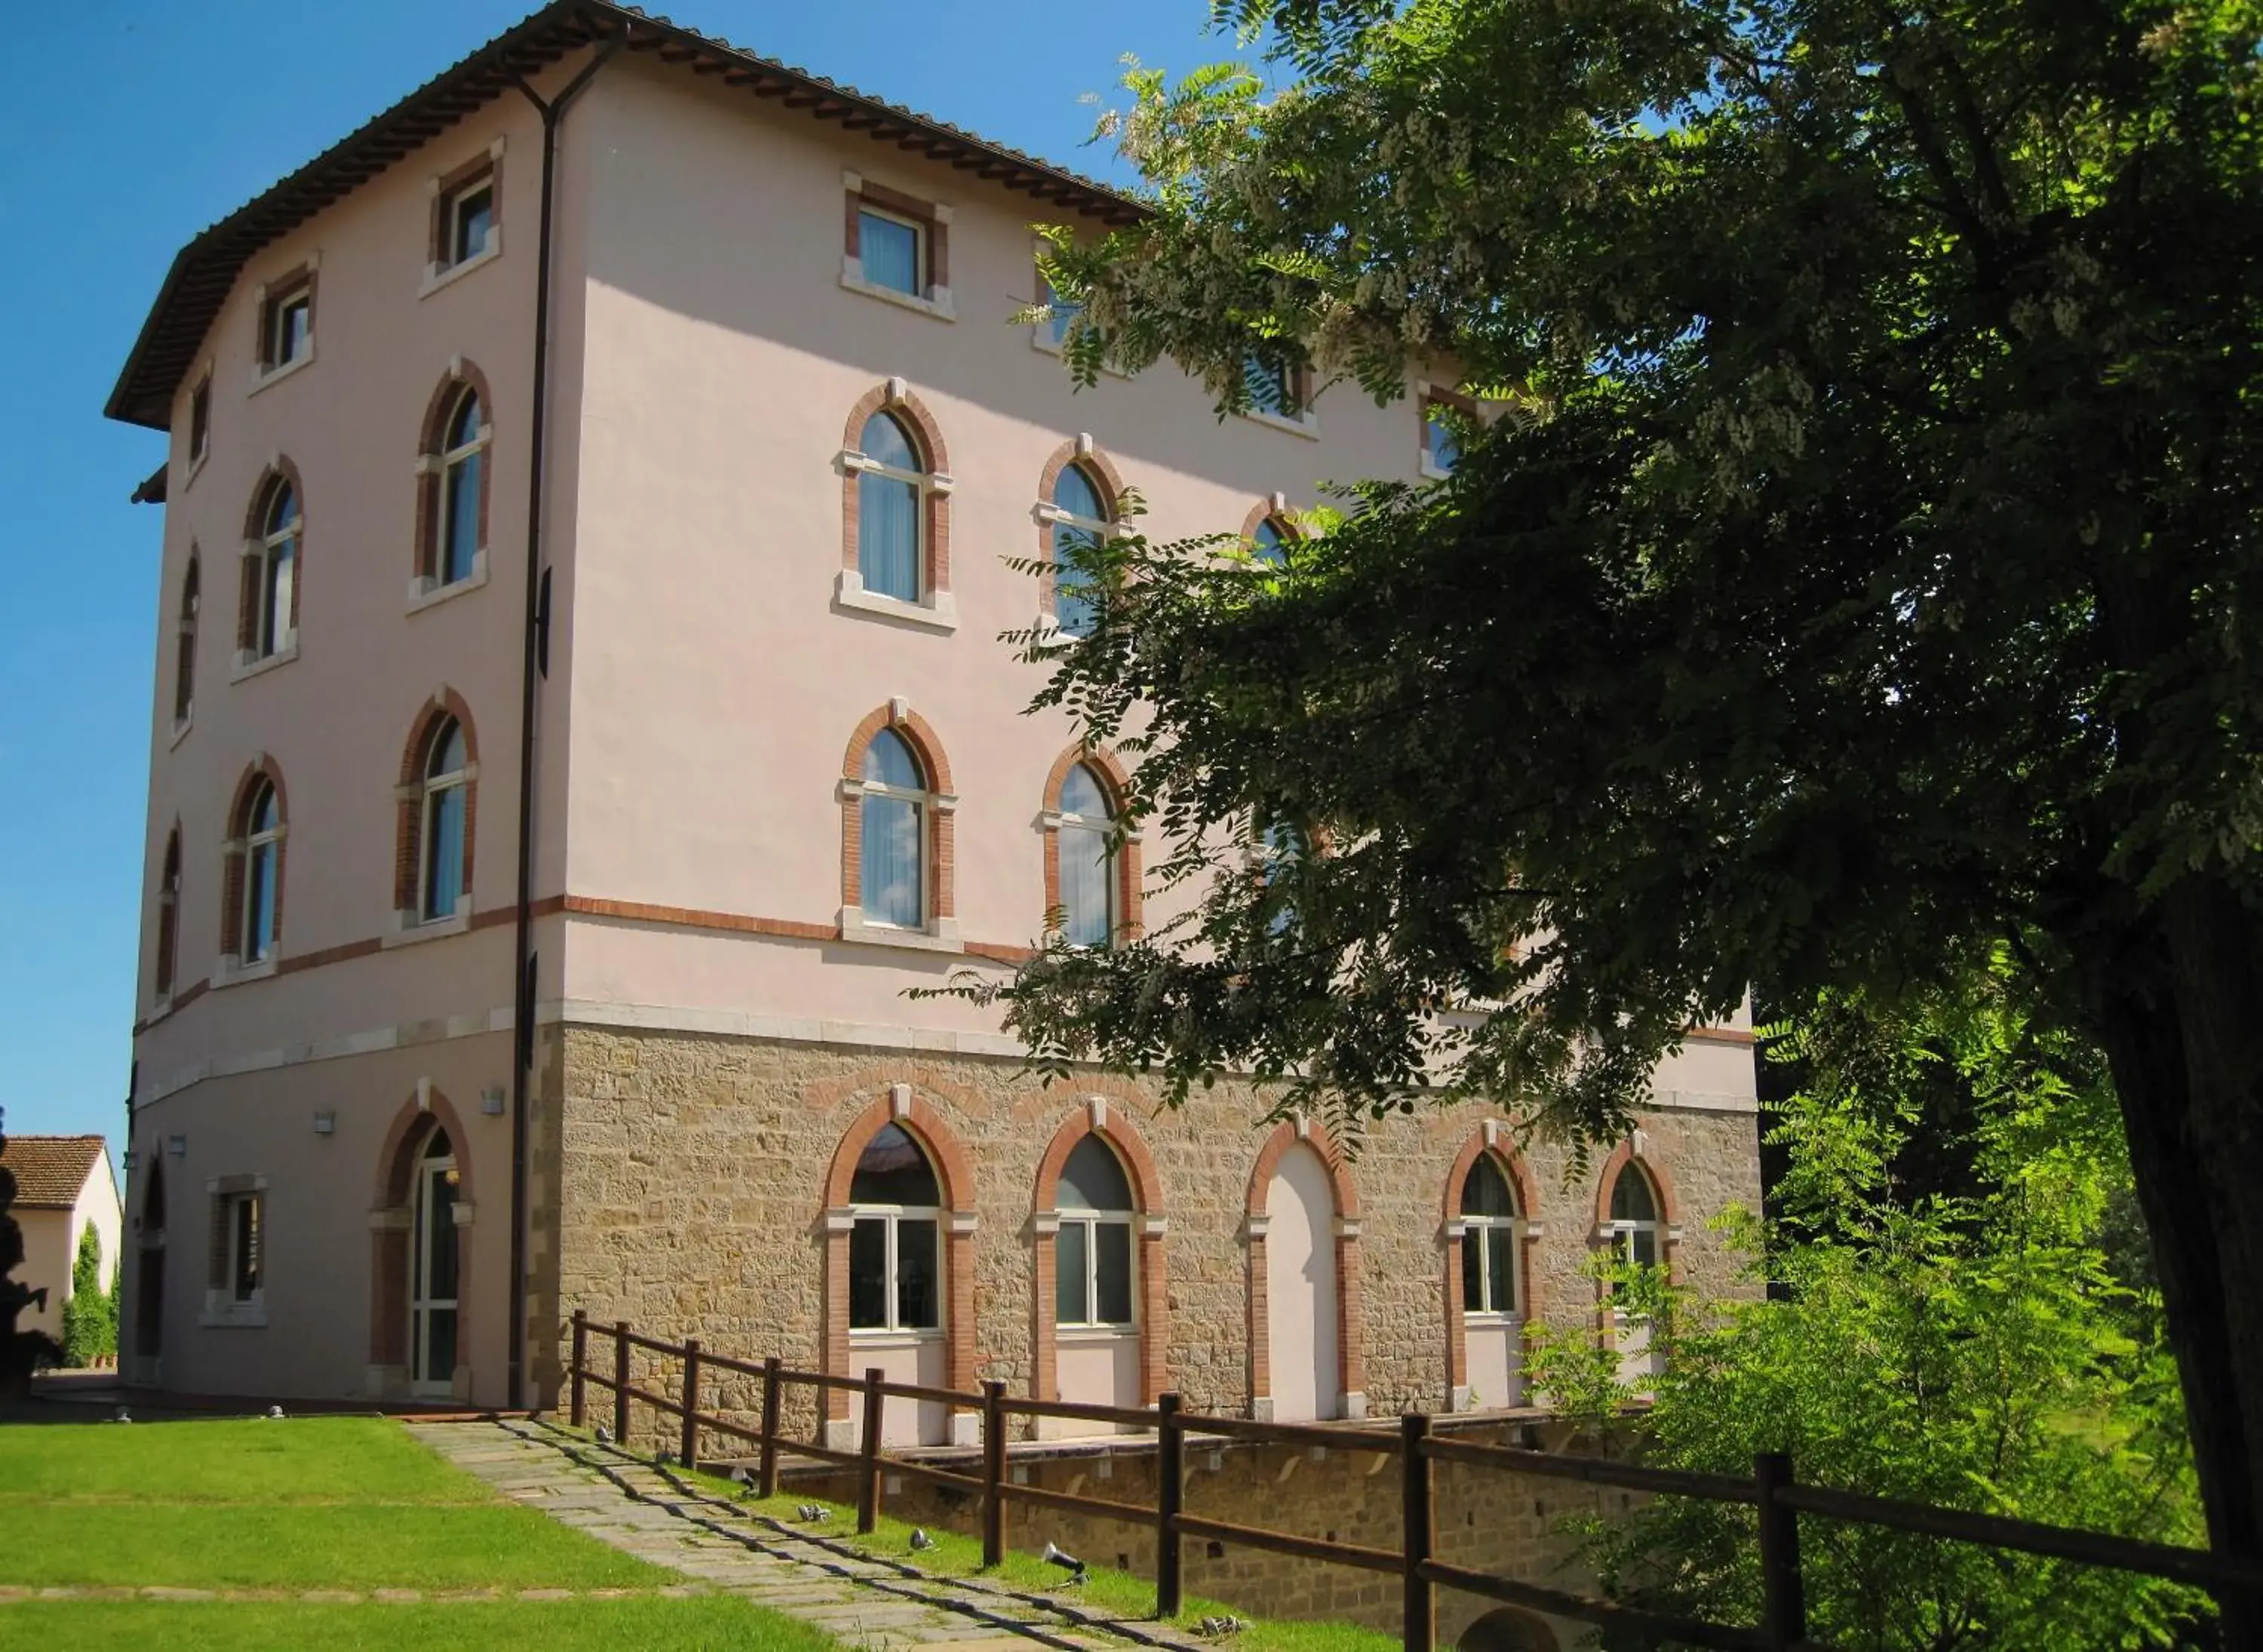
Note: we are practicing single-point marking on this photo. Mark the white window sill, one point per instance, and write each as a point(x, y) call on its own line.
point(250, 665)
point(221, 1313)
point(262, 377)
point(196, 466)
point(1306, 424)
point(943, 937)
point(1072, 1335)
point(1494, 1316)
point(160, 1007)
point(936, 303)
point(937, 611)
point(410, 929)
point(869, 1337)
point(439, 275)
point(228, 973)
point(1430, 469)
point(181, 728)
point(425, 593)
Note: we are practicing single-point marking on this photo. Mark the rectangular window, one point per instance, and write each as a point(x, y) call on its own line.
point(1072, 1274)
point(891, 251)
point(469, 217)
point(868, 1274)
point(1111, 1271)
point(1441, 442)
point(242, 1213)
point(1064, 313)
point(199, 418)
point(1272, 388)
point(919, 1275)
point(288, 327)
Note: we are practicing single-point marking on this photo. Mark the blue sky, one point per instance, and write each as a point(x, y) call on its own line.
point(125, 128)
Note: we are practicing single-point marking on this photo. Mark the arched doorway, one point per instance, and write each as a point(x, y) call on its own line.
point(435, 1265)
point(1300, 1287)
point(1508, 1629)
point(149, 1281)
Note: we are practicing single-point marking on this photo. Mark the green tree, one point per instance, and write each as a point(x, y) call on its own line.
point(1973, 1351)
point(1865, 579)
point(91, 1314)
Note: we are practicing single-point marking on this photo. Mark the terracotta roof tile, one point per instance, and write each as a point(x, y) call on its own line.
point(49, 1170)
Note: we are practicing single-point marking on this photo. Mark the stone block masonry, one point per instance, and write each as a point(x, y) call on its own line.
point(681, 1184)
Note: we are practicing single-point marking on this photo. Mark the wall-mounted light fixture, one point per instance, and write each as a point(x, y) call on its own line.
point(326, 1124)
point(127, 1159)
point(177, 1147)
point(491, 1100)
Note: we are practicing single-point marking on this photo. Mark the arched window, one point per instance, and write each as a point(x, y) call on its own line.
point(435, 1269)
point(1268, 543)
point(1092, 1256)
point(443, 815)
point(1088, 873)
point(459, 529)
point(273, 611)
point(263, 840)
point(185, 648)
point(1080, 519)
point(1489, 1224)
point(169, 915)
point(1636, 1232)
point(891, 483)
point(894, 834)
point(895, 1266)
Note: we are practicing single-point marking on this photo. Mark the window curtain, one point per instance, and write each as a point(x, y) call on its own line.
point(443, 852)
point(888, 536)
point(891, 869)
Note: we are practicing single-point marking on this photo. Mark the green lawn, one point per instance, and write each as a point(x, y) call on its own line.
point(314, 1503)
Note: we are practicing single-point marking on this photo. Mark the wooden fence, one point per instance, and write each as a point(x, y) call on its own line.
point(1772, 1490)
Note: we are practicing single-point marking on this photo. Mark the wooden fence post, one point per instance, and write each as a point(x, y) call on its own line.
point(576, 1391)
point(766, 1473)
point(994, 1471)
point(621, 1383)
point(690, 1453)
point(1421, 1631)
point(868, 1473)
point(1783, 1595)
point(1170, 1498)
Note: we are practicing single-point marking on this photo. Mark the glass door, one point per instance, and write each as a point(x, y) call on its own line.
point(432, 1273)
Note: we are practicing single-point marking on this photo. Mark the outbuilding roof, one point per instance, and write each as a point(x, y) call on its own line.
point(49, 1169)
point(204, 270)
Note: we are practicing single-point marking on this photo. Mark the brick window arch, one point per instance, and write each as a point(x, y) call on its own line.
point(1089, 777)
point(184, 641)
point(1488, 1144)
point(1101, 1118)
point(1644, 1220)
point(393, 1250)
point(1270, 529)
point(436, 814)
point(849, 1349)
point(273, 578)
point(252, 882)
point(1080, 492)
point(1351, 1318)
point(169, 916)
point(895, 508)
point(896, 780)
point(454, 479)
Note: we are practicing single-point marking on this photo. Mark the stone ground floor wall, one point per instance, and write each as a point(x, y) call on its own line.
point(684, 1186)
point(1509, 1525)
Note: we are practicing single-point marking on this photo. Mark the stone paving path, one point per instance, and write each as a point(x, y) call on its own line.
point(869, 1603)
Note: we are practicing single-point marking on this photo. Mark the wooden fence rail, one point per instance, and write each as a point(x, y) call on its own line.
point(1773, 1491)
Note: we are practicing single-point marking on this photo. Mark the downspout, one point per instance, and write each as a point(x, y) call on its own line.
point(535, 665)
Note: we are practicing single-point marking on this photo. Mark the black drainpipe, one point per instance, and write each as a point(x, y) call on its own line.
point(537, 664)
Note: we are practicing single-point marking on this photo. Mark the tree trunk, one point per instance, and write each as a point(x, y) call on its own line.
point(2181, 1017)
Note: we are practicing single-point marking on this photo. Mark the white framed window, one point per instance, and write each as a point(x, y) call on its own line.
point(1491, 1226)
point(1092, 1285)
point(1088, 860)
point(289, 326)
point(243, 1234)
point(263, 841)
point(1635, 1230)
point(1079, 513)
point(893, 868)
point(444, 815)
point(460, 526)
point(895, 1244)
point(276, 552)
point(892, 249)
point(892, 486)
point(468, 221)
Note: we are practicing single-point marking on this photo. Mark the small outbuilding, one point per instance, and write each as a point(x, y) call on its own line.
point(63, 1185)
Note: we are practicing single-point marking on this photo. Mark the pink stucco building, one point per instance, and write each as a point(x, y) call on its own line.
point(579, 716)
